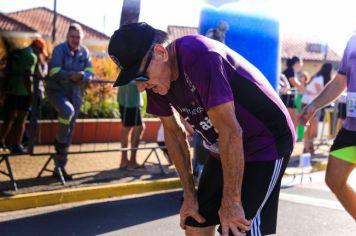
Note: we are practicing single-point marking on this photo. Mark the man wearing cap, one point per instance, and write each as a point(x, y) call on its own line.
point(232, 106)
point(20, 68)
point(69, 68)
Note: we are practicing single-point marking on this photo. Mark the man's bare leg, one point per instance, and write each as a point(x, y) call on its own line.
point(125, 132)
point(200, 231)
point(135, 141)
point(6, 127)
point(20, 126)
point(337, 174)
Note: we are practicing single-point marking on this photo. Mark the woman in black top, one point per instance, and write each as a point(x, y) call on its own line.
point(294, 65)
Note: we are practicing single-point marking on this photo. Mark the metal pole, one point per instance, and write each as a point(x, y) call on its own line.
point(54, 21)
point(326, 52)
point(130, 11)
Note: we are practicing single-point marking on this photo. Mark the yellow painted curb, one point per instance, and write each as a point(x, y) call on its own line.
point(31, 200)
point(320, 166)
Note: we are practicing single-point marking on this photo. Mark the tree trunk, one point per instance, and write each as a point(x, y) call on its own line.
point(130, 12)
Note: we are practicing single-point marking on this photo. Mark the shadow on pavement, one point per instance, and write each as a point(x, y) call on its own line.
point(85, 179)
point(97, 218)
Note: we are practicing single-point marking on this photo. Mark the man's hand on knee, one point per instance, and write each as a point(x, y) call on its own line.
point(233, 218)
point(190, 208)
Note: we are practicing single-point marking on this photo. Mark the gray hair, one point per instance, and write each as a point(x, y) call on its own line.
point(76, 27)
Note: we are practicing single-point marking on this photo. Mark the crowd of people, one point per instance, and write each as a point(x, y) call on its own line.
point(297, 89)
point(22, 65)
point(199, 88)
point(64, 74)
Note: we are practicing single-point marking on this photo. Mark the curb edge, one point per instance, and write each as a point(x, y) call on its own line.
point(32, 200)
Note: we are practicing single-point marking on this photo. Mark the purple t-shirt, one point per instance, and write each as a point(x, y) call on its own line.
point(348, 68)
point(211, 74)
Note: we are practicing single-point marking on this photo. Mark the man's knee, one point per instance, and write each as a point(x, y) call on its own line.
point(66, 110)
point(200, 231)
point(67, 113)
point(331, 181)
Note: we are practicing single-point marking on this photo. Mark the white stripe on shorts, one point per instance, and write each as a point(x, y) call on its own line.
point(256, 222)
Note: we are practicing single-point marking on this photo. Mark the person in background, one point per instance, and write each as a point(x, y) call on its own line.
point(41, 71)
point(70, 68)
point(304, 78)
point(21, 66)
point(342, 156)
point(312, 89)
point(130, 106)
point(283, 85)
point(294, 65)
point(219, 32)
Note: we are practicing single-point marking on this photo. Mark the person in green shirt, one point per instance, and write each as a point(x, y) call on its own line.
point(131, 103)
point(21, 65)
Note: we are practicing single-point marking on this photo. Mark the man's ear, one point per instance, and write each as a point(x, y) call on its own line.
point(161, 52)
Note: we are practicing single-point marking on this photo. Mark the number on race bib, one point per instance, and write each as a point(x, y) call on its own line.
point(351, 104)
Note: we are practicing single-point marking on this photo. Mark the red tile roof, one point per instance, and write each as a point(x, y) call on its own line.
point(291, 45)
point(10, 24)
point(40, 19)
point(175, 31)
point(297, 45)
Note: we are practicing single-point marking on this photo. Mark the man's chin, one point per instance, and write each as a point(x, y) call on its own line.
point(75, 48)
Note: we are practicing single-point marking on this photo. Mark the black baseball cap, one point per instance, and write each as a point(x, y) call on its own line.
point(127, 47)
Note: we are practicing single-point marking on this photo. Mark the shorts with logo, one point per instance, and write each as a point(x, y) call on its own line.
point(344, 146)
point(130, 116)
point(260, 194)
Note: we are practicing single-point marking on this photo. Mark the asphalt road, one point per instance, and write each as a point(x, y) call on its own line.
point(305, 209)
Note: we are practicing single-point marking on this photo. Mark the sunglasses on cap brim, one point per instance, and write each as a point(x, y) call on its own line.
point(141, 79)
point(143, 76)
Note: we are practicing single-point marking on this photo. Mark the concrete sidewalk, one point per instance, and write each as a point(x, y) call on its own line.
point(96, 175)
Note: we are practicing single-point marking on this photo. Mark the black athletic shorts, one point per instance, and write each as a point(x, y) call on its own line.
point(16, 102)
point(341, 110)
point(344, 146)
point(130, 116)
point(345, 138)
point(288, 100)
point(260, 194)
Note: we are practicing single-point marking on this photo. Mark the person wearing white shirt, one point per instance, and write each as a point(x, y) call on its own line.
point(311, 90)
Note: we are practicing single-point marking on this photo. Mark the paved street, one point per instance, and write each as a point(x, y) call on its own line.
point(305, 209)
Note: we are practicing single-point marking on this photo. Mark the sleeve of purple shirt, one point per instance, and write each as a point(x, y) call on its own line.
point(211, 80)
point(343, 63)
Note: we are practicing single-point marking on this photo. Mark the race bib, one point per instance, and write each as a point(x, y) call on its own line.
point(351, 104)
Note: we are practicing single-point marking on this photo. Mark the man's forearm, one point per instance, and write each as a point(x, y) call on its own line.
point(179, 152)
point(58, 73)
point(232, 161)
point(331, 91)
